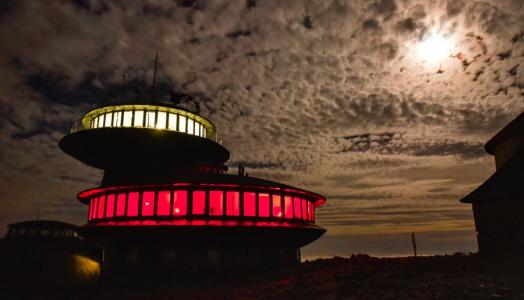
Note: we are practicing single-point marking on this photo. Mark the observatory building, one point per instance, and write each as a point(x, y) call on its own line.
point(498, 203)
point(166, 202)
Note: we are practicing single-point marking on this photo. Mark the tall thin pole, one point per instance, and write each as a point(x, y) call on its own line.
point(123, 86)
point(154, 78)
point(414, 243)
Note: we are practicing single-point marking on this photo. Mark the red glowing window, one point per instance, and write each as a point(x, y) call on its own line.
point(132, 204)
point(199, 202)
point(298, 209)
point(263, 205)
point(288, 207)
point(180, 203)
point(121, 205)
point(163, 206)
point(91, 205)
point(313, 213)
point(216, 203)
point(304, 209)
point(101, 206)
point(232, 203)
point(148, 203)
point(110, 211)
point(250, 204)
point(95, 207)
point(311, 209)
point(277, 206)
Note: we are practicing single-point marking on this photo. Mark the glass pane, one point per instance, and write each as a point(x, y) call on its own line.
point(163, 206)
point(132, 204)
point(250, 204)
point(101, 206)
point(197, 128)
point(182, 123)
point(304, 209)
point(298, 209)
point(205, 132)
point(161, 119)
point(216, 203)
point(148, 203)
point(150, 119)
point(232, 203)
point(263, 205)
point(128, 118)
point(91, 206)
point(172, 122)
point(121, 205)
point(95, 123)
point(139, 118)
point(310, 211)
point(109, 119)
point(190, 126)
point(100, 121)
point(95, 208)
point(199, 202)
point(288, 206)
point(180, 203)
point(277, 206)
point(117, 118)
point(110, 211)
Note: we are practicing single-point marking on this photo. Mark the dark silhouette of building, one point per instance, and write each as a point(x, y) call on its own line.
point(47, 254)
point(166, 204)
point(498, 203)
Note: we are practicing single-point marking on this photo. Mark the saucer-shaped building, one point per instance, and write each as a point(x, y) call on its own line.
point(166, 202)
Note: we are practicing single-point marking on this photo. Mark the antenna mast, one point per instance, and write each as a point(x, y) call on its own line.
point(154, 78)
point(123, 85)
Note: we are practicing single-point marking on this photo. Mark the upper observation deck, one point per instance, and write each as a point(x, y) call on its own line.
point(145, 127)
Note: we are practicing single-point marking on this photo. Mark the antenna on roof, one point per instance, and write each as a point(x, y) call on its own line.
point(123, 85)
point(154, 78)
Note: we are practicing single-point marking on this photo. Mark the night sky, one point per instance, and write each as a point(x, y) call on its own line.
point(337, 97)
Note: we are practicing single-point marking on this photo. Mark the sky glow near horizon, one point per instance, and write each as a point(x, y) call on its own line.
point(381, 106)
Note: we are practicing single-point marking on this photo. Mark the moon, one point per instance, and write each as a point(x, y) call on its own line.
point(434, 49)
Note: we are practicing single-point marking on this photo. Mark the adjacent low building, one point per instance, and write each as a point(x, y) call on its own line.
point(47, 254)
point(498, 203)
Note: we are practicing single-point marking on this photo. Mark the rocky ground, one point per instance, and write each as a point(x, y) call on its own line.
point(358, 277)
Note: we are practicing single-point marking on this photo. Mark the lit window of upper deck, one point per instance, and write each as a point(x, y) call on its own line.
point(147, 116)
